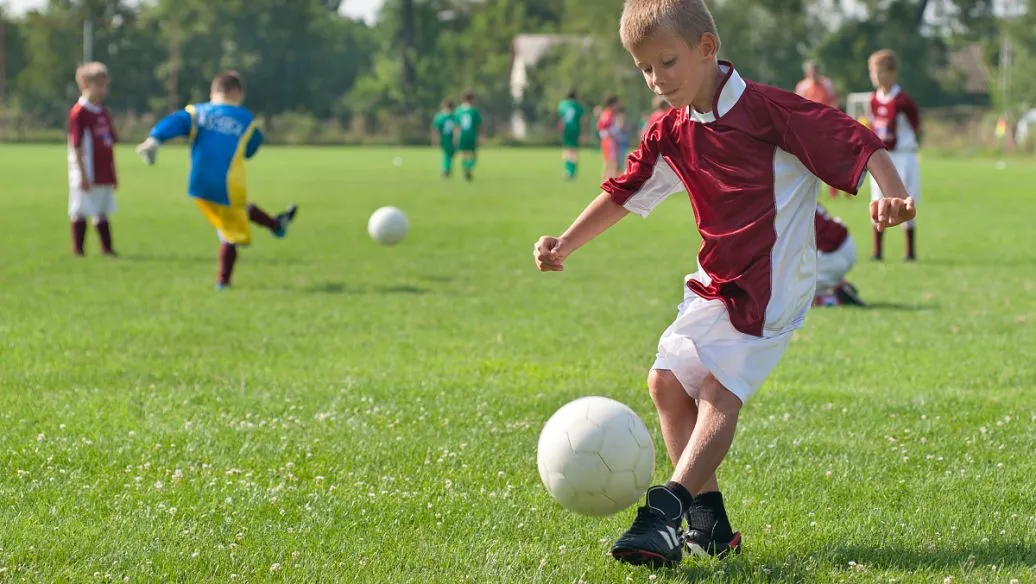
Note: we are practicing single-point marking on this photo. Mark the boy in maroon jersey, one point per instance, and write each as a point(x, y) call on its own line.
point(896, 121)
point(750, 158)
point(91, 159)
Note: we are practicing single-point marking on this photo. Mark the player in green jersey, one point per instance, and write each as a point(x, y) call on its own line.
point(443, 129)
point(469, 120)
point(570, 116)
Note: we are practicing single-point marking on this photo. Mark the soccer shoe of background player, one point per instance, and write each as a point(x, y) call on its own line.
point(284, 219)
point(848, 295)
point(654, 538)
point(700, 543)
point(222, 287)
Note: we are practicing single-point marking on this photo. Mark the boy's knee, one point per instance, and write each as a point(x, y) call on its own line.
point(664, 387)
point(715, 394)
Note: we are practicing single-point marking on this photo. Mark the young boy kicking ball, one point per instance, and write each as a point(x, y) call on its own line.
point(222, 136)
point(750, 156)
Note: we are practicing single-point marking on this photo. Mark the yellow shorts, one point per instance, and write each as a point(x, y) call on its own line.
point(231, 222)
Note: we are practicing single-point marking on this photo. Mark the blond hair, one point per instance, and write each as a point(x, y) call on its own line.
point(690, 19)
point(884, 59)
point(90, 72)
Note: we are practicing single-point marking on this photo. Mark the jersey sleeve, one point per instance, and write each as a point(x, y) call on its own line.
point(254, 142)
point(76, 126)
point(111, 127)
point(912, 113)
point(648, 179)
point(175, 125)
point(833, 146)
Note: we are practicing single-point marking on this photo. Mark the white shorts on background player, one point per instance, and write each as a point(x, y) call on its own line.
point(740, 362)
point(909, 170)
point(95, 202)
point(833, 267)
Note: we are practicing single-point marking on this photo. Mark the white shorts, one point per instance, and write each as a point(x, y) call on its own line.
point(832, 267)
point(96, 202)
point(702, 341)
point(909, 170)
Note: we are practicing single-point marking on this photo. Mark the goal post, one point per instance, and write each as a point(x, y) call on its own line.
point(858, 105)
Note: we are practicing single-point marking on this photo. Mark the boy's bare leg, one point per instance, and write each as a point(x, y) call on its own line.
point(697, 437)
point(710, 440)
point(677, 414)
point(708, 528)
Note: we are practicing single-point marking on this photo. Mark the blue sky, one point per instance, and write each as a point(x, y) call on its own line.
point(365, 9)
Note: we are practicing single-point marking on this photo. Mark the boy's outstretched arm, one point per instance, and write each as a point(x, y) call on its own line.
point(174, 125)
point(550, 252)
point(897, 206)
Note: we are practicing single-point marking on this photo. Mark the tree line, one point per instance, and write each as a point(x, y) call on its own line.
point(308, 67)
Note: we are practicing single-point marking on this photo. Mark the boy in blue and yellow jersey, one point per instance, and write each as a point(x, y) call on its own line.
point(222, 136)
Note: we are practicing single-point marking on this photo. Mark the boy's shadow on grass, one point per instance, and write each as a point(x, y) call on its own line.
point(340, 288)
point(985, 263)
point(1004, 554)
point(1008, 556)
point(900, 307)
point(211, 259)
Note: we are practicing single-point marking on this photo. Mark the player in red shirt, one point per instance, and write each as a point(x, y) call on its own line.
point(836, 255)
point(661, 109)
point(897, 122)
point(818, 88)
point(606, 129)
point(750, 157)
point(91, 159)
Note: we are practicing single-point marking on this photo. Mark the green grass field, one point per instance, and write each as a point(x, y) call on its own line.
point(355, 413)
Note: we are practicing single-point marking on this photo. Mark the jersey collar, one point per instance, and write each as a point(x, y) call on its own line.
point(731, 88)
point(94, 108)
point(887, 97)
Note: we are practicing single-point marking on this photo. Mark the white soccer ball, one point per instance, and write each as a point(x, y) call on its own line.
point(596, 456)
point(388, 226)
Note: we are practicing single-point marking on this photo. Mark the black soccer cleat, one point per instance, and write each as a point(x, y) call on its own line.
point(654, 539)
point(848, 295)
point(702, 544)
point(284, 219)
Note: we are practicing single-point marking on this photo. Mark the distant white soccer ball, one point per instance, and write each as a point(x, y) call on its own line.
point(397, 161)
point(596, 456)
point(388, 226)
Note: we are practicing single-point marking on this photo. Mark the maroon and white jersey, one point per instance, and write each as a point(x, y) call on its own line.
point(90, 128)
point(750, 167)
point(831, 232)
point(895, 119)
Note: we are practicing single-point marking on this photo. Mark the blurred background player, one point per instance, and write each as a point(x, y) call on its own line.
point(469, 120)
point(91, 159)
point(836, 255)
point(622, 138)
point(570, 122)
point(609, 141)
point(222, 136)
point(896, 120)
point(661, 108)
point(818, 88)
point(443, 129)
